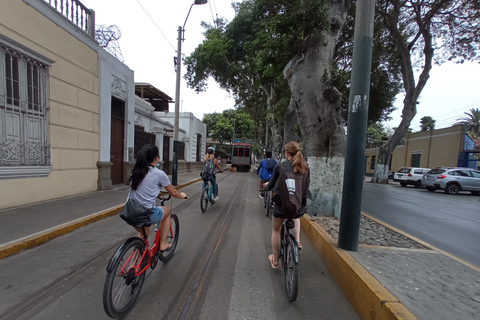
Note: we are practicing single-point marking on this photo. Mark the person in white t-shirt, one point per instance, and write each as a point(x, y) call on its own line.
point(146, 182)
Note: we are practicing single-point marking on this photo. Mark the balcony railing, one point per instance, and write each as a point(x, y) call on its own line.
point(76, 13)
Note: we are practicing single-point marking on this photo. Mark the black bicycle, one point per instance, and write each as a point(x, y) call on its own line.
point(290, 258)
point(267, 200)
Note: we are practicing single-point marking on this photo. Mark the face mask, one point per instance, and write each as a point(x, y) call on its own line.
point(157, 165)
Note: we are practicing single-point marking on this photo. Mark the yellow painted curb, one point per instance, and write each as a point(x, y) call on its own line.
point(36, 239)
point(369, 298)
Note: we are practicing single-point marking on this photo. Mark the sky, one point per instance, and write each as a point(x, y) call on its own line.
point(148, 43)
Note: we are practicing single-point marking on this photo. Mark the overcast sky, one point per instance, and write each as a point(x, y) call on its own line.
point(149, 43)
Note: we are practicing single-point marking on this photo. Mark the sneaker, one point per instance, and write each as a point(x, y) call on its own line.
point(261, 196)
point(216, 198)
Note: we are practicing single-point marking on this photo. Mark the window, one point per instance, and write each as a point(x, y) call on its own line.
point(372, 163)
point(23, 113)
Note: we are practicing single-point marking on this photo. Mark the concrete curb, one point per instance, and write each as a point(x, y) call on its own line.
point(369, 298)
point(38, 238)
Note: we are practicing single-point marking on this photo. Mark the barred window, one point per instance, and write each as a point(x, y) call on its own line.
point(23, 110)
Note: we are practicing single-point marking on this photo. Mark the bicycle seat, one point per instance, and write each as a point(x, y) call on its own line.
point(289, 224)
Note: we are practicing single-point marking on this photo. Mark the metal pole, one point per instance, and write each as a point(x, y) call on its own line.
point(177, 108)
point(357, 126)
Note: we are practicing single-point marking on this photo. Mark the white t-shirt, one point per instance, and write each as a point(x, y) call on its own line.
point(148, 190)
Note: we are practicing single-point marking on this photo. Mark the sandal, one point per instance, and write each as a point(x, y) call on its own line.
point(299, 245)
point(270, 259)
point(166, 249)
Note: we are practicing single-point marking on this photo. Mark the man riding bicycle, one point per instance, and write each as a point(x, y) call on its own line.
point(265, 169)
point(208, 174)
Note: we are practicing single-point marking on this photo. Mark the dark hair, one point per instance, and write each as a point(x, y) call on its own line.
point(140, 170)
point(268, 154)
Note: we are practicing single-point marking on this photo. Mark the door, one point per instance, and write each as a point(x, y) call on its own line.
point(416, 160)
point(116, 140)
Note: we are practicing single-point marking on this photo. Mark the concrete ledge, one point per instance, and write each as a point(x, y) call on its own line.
point(369, 298)
point(38, 238)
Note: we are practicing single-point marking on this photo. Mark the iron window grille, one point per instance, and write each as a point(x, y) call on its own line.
point(23, 110)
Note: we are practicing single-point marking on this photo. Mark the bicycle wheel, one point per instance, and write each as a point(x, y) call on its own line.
point(204, 199)
point(268, 202)
point(172, 238)
point(291, 268)
point(122, 287)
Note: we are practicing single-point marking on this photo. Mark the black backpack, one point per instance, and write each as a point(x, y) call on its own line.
point(270, 165)
point(207, 169)
point(293, 189)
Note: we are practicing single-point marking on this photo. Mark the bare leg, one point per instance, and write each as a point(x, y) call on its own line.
point(296, 231)
point(276, 227)
point(140, 232)
point(164, 228)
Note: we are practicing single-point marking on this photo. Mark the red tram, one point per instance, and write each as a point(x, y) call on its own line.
point(242, 156)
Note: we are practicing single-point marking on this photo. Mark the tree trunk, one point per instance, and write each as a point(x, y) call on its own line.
point(412, 91)
point(289, 123)
point(276, 128)
point(317, 104)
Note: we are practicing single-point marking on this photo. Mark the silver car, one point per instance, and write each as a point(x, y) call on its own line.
point(452, 180)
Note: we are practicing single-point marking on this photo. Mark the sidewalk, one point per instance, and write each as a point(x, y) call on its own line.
point(380, 282)
point(22, 227)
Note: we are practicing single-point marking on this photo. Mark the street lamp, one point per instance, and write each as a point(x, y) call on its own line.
point(181, 32)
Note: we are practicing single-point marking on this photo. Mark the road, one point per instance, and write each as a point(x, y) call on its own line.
point(450, 223)
point(219, 270)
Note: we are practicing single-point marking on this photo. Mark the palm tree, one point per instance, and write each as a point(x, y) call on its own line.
point(472, 121)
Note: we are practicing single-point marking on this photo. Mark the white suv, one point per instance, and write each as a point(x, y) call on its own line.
point(410, 175)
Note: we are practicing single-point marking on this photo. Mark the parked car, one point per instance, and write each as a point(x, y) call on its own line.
point(410, 175)
point(391, 175)
point(452, 180)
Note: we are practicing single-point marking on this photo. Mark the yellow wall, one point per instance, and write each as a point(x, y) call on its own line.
point(73, 94)
point(438, 148)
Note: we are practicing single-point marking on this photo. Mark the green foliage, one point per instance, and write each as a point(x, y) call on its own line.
point(247, 56)
point(222, 126)
point(377, 134)
point(428, 124)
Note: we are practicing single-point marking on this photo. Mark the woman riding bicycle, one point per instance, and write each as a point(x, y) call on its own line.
point(146, 182)
point(294, 163)
point(210, 156)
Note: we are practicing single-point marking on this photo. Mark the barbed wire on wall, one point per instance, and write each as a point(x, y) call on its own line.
point(107, 37)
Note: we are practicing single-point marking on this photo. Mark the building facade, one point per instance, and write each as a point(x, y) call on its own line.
point(49, 103)
point(449, 147)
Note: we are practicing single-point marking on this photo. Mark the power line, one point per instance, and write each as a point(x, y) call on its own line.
point(210, 5)
point(156, 26)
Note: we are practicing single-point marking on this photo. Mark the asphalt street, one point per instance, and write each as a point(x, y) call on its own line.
point(448, 222)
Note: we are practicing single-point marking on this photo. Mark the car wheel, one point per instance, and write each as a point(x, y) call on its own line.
point(418, 184)
point(403, 184)
point(452, 188)
point(431, 189)
point(475, 193)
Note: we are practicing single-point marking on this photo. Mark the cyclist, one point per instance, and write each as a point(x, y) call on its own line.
point(294, 163)
point(265, 169)
point(146, 182)
point(210, 156)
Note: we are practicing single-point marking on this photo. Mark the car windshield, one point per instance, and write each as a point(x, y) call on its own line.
point(436, 171)
point(404, 170)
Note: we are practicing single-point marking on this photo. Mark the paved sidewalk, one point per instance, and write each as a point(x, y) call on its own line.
point(21, 228)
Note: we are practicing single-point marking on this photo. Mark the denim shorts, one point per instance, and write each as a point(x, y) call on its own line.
point(157, 215)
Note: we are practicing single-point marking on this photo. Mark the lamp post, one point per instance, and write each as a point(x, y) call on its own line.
point(181, 32)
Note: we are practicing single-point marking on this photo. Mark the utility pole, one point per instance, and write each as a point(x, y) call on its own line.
point(357, 126)
point(176, 121)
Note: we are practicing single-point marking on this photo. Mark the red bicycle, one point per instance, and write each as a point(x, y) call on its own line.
point(126, 271)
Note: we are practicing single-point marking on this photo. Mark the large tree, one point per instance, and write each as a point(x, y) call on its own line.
point(425, 32)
